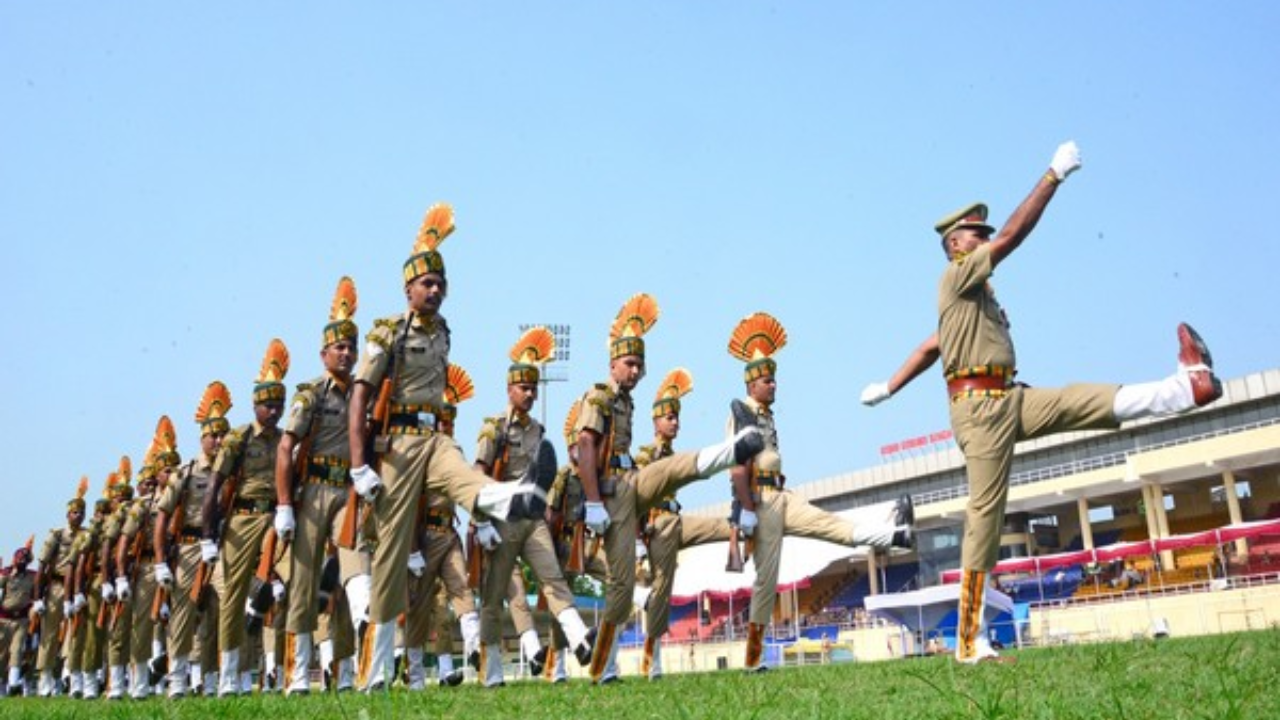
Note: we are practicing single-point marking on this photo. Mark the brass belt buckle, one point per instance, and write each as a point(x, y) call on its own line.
point(337, 474)
point(426, 420)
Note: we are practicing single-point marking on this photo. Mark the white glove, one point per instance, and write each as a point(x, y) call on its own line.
point(1065, 161)
point(164, 612)
point(597, 519)
point(277, 590)
point(367, 482)
point(284, 522)
point(122, 588)
point(37, 607)
point(209, 551)
point(108, 592)
point(68, 609)
point(488, 536)
point(78, 603)
point(417, 563)
point(164, 576)
point(875, 393)
point(747, 522)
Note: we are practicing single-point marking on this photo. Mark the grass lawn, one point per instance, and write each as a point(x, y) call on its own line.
point(1224, 676)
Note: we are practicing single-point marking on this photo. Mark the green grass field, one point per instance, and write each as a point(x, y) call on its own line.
point(1226, 676)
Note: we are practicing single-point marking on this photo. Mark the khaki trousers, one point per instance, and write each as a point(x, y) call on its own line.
point(412, 465)
point(183, 617)
point(445, 562)
point(668, 534)
point(47, 656)
point(241, 550)
point(119, 635)
point(13, 637)
point(986, 430)
point(318, 512)
point(637, 492)
point(780, 513)
point(143, 627)
point(531, 540)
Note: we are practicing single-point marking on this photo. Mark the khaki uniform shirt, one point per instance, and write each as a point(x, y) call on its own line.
point(515, 441)
point(652, 453)
point(319, 408)
point(973, 329)
point(56, 552)
point(140, 517)
point(19, 590)
point(423, 364)
point(188, 488)
point(252, 450)
point(605, 409)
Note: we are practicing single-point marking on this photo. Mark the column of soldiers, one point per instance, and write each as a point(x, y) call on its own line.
point(339, 529)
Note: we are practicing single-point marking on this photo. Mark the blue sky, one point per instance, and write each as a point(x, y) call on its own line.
point(181, 183)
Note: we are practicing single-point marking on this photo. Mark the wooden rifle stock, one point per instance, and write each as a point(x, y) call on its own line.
point(577, 549)
point(104, 615)
point(735, 562)
point(350, 520)
point(201, 584)
point(475, 558)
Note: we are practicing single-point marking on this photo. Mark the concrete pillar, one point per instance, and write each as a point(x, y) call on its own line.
point(873, 572)
point(1233, 509)
point(1086, 530)
point(1162, 520)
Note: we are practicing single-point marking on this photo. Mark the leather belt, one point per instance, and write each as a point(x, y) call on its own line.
point(621, 462)
point(668, 506)
point(14, 614)
point(420, 423)
point(252, 507)
point(330, 474)
point(189, 537)
point(979, 386)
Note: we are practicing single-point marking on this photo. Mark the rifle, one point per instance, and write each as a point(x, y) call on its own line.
point(381, 416)
point(131, 565)
point(737, 556)
point(475, 552)
point(260, 598)
point(176, 522)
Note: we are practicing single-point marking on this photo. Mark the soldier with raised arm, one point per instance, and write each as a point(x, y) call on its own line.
point(990, 412)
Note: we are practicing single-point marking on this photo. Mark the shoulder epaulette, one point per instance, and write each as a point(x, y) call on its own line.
point(489, 428)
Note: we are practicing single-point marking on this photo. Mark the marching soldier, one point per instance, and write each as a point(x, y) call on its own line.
point(316, 433)
point(140, 570)
point(85, 639)
point(246, 461)
point(179, 523)
point(438, 557)
point(116, 622)
point(767, 512)
point(410, 354)
point(508, 450)
point(17, 594)
point(990, 412)
point(616, 491)
point(666, 532)
point(51, 601)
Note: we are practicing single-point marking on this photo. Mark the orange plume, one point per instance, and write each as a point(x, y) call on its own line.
point(344, 301)
point(112, 479)
point(83, 487)
point(436, 226)
point(31, 543)
point(166, 440)
point(534, 347)
point(675, 385)
point(215, 403)
point(276, 363)
point(571, 423)
point(126, 471)
point(637, 316)
point(757, 336)
point(458, 386)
